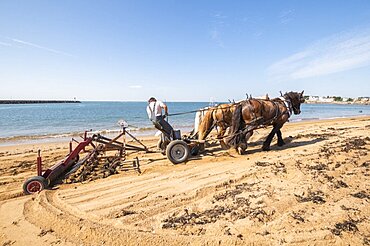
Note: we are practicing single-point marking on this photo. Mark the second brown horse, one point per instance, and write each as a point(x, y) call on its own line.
point(255, 113)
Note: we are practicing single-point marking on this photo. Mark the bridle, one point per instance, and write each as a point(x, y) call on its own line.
point(290, 106)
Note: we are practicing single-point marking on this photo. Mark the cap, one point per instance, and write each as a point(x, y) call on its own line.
point(152, 99)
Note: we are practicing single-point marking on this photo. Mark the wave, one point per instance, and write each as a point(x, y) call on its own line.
point(142, 131)
point(41, 136)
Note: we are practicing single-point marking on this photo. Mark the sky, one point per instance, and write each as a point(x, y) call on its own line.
point(203, 50)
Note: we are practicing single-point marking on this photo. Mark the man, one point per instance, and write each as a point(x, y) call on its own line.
point(154, 110)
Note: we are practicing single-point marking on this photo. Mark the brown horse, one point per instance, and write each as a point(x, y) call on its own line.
point(255, 113)
point(219, 117)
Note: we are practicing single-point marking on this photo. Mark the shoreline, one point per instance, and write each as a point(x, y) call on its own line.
point(15, 131)
point(339, 103)
point(147, 133)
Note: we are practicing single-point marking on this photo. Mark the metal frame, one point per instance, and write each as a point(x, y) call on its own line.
point(99, 144)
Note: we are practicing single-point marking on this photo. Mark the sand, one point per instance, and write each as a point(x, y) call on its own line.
point(313, 190)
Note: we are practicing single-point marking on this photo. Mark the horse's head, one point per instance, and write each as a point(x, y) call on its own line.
point(296, 98)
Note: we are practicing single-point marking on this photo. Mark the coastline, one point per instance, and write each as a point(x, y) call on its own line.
point(146, 132)
point(58, 122)
point(339, 103)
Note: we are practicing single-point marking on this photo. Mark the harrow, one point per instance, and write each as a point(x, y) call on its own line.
point(97, 148)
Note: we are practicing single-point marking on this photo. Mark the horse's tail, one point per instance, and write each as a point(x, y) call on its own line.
point(234, 137)
point(205, 125)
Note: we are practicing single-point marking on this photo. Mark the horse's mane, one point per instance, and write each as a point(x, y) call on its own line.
point(289, 94)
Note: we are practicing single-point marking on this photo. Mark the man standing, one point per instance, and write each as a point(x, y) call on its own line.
point(154, 111)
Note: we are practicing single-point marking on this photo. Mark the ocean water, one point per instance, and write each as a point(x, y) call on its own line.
point(34, 121)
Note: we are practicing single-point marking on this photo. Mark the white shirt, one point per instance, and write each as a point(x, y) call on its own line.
point(154, 109)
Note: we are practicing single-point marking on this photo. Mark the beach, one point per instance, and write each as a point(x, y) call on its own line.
point(313, 190)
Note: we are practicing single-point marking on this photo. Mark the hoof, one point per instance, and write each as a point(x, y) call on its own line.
point(281, 144)
point(266, 148)
point(240, 151)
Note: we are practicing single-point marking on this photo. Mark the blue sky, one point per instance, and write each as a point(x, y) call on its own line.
point(183, 50)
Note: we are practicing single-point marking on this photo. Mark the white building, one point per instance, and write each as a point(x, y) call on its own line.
point(314, 98)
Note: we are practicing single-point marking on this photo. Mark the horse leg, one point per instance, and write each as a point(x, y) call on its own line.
point(280, 138)
point(243, 146)
point(223, 144)
point(221, 135)
point(266, 144)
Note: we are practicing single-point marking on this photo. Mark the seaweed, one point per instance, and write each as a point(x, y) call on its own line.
point(297, 216)
point(348, 225)
point(340, 184)
point(315, 197)
point(361, 195)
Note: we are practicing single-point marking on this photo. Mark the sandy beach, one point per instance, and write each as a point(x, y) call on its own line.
point(314, 190)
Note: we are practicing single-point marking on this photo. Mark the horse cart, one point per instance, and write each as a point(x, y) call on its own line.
point(178, 148)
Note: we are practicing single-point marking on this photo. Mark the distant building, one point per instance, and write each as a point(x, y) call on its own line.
point(337, 99)
point(326, 99)
point(314, 98)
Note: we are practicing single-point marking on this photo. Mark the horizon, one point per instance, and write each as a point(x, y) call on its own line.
point(224, 100)
point(145, 101)
point(182, 51)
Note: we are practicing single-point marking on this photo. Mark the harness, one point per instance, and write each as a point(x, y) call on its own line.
point(256, 122)
point(288, 105)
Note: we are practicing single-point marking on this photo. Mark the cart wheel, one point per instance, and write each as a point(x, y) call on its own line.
point(34, 184)
point(177, 151)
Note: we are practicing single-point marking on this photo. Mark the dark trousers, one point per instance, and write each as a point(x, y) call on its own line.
point(163, 125)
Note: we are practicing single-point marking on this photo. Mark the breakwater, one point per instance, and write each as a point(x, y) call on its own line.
point(36, 101)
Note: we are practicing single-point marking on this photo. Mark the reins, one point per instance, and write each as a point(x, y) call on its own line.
point(286, 103)
point(206, 109)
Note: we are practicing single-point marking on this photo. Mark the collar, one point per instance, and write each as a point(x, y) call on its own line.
point(288, 105)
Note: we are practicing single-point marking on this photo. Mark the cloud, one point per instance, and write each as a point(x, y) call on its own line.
point(216, 36)
point(40, 47)
point(286, 16)
point(258, 34)
point(218, 23)
point(135, 86)
point(5, 44)
point(337, 53)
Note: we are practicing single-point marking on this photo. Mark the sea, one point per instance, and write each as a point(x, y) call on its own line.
point(27, 123)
